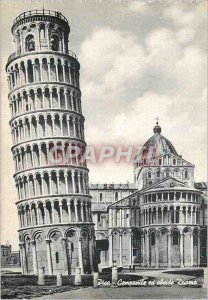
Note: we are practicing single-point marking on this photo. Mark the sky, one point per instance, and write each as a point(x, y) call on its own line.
point(139, 60)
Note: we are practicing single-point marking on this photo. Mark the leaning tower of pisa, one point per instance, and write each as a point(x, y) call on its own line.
point(56, 232)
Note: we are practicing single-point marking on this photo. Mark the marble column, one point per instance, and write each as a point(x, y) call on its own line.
point(198, 249)
point(73, 182)
point(80, 255)
point(24, 262)
point(145, 217)
point(130, 249)
point(192, 250)
point(110, 218)
point(74, 128)
point(45, 214)
point(56, 67)
point(191, 212)
point(110, 250)
point(76, 213)
point(114, 217)
point(82, 211)
point(41, 72)
point(51, 99)
point(19, 218)
point(195, 214)
point(120, 217)
point(185, 215)
point(157, 249)
point(157, 221)
point(168, 215)
point(147, 249)
point(49, 258)
point(91, 252)
point(49, 71)
point(34, 255)
point(68, 126)
point(21, 257)
point(181, 218)
point(26, 74)
point(181, 249)
point(66, 265)
point(129, 218)
point(169, 249)
point(61, 212)
point(79, 183)
point(53, 212)
point(174, 221)
point(143, 249)
point(69, 211)
point(58, 183)
point(66, 183)
point(120, 246)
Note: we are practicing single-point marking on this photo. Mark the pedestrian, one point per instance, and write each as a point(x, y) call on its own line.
point(133, 267)
point(130, 268)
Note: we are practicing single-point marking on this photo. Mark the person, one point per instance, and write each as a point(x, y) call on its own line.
point(133, 267)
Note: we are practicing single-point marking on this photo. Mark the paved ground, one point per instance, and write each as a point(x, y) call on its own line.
point(132, 293)
point(150, 292)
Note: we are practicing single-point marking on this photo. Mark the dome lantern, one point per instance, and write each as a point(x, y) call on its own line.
point(157, 129)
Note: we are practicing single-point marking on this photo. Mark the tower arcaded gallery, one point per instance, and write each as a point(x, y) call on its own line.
point(56, 232)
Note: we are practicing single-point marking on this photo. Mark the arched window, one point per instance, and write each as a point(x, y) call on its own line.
point(30, 43)
point(176, 173)
point(149, 174)
point(72, 247)
point(101, 196)
point(98, 217)
point(185, 174)
point(153, 238)
point(54, 43)
point(158, 174)
point(57, 257)
point(116, 196)
point(175, 236)
point(42, 31)
point(165, 173)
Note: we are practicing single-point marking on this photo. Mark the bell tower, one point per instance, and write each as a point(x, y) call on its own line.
point(56, 232)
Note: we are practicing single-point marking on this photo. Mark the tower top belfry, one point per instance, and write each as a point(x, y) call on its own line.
point(40, 30)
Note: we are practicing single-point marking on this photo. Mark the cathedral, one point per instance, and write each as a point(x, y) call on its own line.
point(160, 220)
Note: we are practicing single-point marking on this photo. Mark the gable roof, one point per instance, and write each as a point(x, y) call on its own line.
point(123, 199)
point(167, 184)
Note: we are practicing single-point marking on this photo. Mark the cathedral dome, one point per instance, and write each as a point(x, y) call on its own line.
point(155, 146)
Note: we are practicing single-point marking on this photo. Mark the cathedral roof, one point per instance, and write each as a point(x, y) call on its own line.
point(155, 146)
point(170, 184)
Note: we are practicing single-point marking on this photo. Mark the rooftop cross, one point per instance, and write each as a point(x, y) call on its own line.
point(157, 119)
